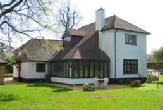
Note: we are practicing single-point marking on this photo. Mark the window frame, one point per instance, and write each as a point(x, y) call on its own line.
point(40, 69)
point(67, 41)
point(131, 65)
point(130, 39)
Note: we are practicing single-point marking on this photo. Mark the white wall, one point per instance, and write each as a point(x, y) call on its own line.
point(32, 73)
point(28, 70)
point(24, 70)
point(127, 51)
point(106, 44)
point(72, 80)
point(100, 19)
point(15, 71)
point(123, 51)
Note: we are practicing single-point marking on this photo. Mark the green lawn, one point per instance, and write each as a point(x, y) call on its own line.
point(45, 97)
point(8, 75)
point(161, 78)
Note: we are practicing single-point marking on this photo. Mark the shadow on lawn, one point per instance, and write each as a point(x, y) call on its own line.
point(56, 89)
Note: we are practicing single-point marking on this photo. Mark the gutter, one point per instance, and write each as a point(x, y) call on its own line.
point(115, 54)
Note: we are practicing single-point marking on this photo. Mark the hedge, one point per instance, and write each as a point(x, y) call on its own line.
point(155, 65)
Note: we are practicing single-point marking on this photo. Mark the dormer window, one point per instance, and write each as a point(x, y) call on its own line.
point(67, 41)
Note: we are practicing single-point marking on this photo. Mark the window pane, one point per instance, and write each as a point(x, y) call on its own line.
point(81, 69)
point(76, 69)
point(86, 69)
point(105, 69)
point(91, 69)
point(40, 67)
point(102, 74)
point(67, 41)
point(130, 39)
point(97, 74)
point(130, 66)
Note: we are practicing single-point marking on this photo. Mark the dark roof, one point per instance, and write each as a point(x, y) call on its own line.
point(88, 31)
point(61, 54)
point(78, 51)
point(115, 22)
point(77, 32)
point(76, 47)
point(2, 61)
point(39, 49)
point(97, 54)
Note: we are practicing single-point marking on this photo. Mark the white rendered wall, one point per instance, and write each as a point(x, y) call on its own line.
point(28, 70)
point(24, 70)
point(106, 44)
point(123, 51)
point(72, 80)
point(127, 51)
point(15, 71)
point(32, 73)
point(100, 19)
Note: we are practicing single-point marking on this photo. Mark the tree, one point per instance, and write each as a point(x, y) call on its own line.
point(67, 16)
point(20, 18)
point(9, 65)
point(157, 54)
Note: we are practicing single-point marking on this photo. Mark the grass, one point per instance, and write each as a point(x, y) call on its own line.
point(8, 75)
point(161, 78)
point(46, 97)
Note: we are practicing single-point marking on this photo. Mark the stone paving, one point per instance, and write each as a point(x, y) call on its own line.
point(10, 80)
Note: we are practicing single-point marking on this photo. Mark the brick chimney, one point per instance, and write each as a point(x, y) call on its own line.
point(100, 19)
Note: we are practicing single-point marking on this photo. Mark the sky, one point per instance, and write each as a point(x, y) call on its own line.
point(146, 14)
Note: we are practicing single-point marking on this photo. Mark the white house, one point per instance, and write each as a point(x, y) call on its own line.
point(110, 47)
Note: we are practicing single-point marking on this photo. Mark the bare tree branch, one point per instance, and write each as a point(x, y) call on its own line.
point(5, 5)
point(23, 18)
point(68, 17)
point(11, 8)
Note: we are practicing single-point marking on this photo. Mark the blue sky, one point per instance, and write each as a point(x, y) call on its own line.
point(146, 14)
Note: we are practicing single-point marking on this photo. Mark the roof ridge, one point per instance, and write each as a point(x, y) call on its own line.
point(114, 17)
point(134, 25)
point(86, 25)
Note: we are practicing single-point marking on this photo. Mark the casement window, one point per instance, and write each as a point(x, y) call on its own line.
point(130, 66)
point(67, 41)
point(40, 67)
point(130, 39)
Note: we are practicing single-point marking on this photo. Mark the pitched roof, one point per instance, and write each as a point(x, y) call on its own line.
point(115, 22)
point(97, 54)
point(77, 32)
point(2, 61)
point(88, 35)
point(89, 31)
point(39, 49)
point(77, 51)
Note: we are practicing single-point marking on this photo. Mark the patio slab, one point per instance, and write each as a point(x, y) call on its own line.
point(80, 87)
point(10, 80)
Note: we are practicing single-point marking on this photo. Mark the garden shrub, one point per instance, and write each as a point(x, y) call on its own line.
point(88, 87)
point(136, 83)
